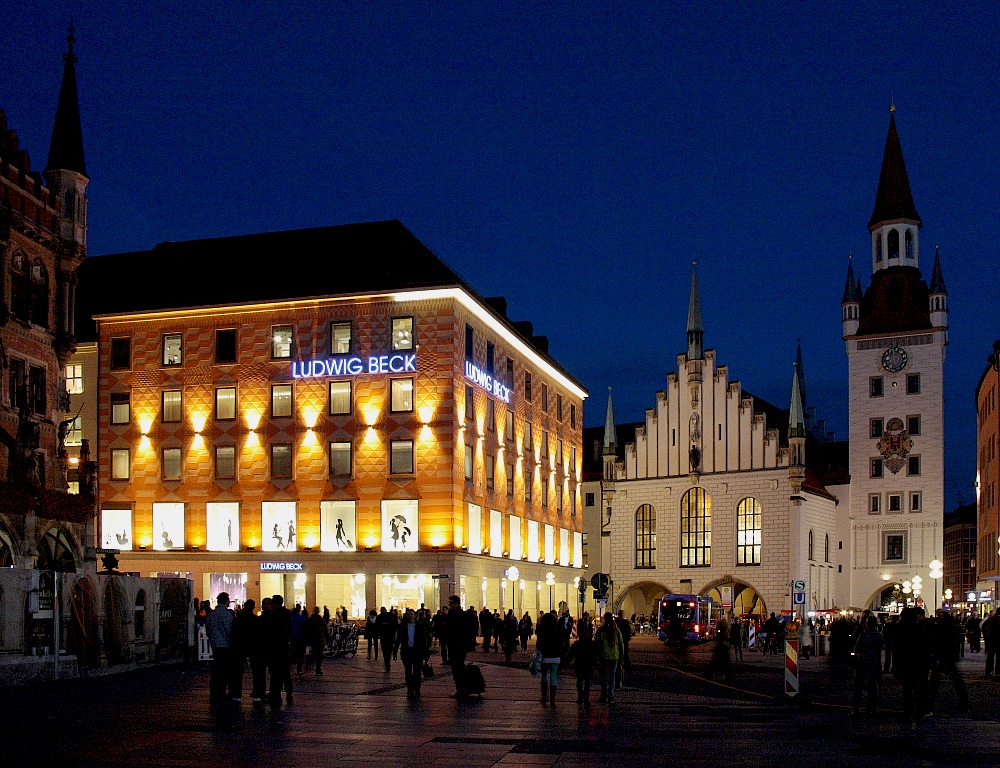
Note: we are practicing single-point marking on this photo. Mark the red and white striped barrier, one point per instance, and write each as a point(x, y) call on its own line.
point(792, 660)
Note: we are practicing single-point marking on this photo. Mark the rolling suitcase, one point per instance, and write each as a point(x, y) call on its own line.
point(474, 683)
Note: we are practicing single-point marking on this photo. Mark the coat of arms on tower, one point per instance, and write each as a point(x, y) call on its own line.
point(895, 445)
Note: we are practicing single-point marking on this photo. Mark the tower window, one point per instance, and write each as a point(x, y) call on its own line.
point(895, 546)
point(913, 384)
point(875, 387)
point(876, 467)
point(908, 241)
point(892, 241)
point(876, 427)
point(878, 248)
point(645, 537)
point(913, 425)
point(913, 465)
point(874, 505)
point(915, 502)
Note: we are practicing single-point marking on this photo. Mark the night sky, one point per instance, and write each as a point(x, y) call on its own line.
point(574, 157)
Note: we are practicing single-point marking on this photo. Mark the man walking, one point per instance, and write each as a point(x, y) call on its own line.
point(412, 642)
point(625, 627)
point(387, 626)
point(219, 626)
point(457, 631)
point(277, 631)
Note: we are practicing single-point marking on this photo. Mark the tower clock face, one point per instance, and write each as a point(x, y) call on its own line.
point(894, 359)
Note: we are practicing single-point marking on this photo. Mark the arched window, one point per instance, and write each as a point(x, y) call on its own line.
point(878, 248)
point(645, 537)
point(909, 243)
point(39, 290)
point(55, 552)
point(893, 242)
point(826, 549)
point(20, 288)
point(748, 532)
point(696, 528)
point(810, 545)
point(140, 615)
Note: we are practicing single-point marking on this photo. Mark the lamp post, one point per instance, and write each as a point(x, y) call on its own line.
point(550, 579)
point(936, 573)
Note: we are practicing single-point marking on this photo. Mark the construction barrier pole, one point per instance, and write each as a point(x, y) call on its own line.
point(792, 659)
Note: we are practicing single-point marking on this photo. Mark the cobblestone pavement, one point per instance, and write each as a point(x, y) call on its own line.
point(357, 714)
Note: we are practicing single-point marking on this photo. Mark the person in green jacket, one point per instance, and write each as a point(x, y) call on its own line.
point(610, 650)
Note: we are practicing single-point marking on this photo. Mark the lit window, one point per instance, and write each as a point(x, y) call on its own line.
point(225, 403)
point(748, 532)
point(74, 435)
point(402, 333)
point(696, 528)
point(172, 349)
point(645, 537)
point(281, 400)
point(171, 406)
point(281, 460)
point(401, 457)
point(401, 396)
point(74, 379)
point(281, 341)
point(340, 338)
point(340, 398)
point(895, 546)
point(340, 459)
point(121, 409)
point(468, 461)
point(120, 463)
point(225, 462)
point(171, 463)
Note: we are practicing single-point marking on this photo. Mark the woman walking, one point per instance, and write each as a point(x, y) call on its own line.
point(526, 629)
point(610, 649)
point(549, 645)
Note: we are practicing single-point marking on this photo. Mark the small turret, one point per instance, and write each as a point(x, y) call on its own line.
point(610, 441)
point(695, 339)
point(796, 434)
point(938, 295)
point(851, 303)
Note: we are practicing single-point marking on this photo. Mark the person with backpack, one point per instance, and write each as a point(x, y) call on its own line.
point(610, 649)
point(583, 655)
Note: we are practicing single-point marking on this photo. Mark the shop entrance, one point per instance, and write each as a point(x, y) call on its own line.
point(291, 586)
point(408, 590)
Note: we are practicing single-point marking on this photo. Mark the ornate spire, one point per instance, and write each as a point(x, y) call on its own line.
point(851, 293)
point(801, 371)
point(610, 442)
point(796, 416)
point(66, 149)
point(937, 277)
point(695, 330)
point(894, 200)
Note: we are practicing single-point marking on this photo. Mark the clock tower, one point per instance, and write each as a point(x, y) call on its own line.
point(896, 332)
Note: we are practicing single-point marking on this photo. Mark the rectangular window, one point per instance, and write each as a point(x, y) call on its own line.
point(225, 345)
point(338, 527)
point(913, 425)
point(281, 401)
point(508, 432)
point(545, 444)
point(559, 497)
point(874, 504)
point(515, 538)
point(559, 410)
point(510, 480)
point(401, 397)
point(895, 503)
point(279, 525)
point(340, 459)
point(527, 386)
point(402, 333)
point(572, 416)
point(545, 398)
point(875, 386)
point(340, 338)
point(225, 462)
point(895, 546)
point(696, 528)
point(401, 457)
point(341, 398)
point(470, 404)
point(468, 462)
point(491, 465)
point(491, 415)
point(74, 379)
point(490, 358)
point(876, 427)
point(876, 467)
point(281, 342)
point(496, 533)
point(222, 523)
point(915, 502)
point(913, 384)
point(913, 465)
point(559, 454)
point(281, 460)
point(748, 532)
point(588, 499)
point(168, 525)
point(510, 371)
point(74, 435)
point(225, 403)
point(171, 406)
point(121, 409)
point(172, 349)
point(469, 341)
point(120, 461)
point(528, 483)
point(529, 443)
point(475, 543)
point(37, 392)
point(171, 463)
point(121, 354)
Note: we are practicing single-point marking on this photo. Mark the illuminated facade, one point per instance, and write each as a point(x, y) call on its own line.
point(389, 441)
point(988, 473)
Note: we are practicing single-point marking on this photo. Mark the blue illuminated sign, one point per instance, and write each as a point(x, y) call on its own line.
point(487, 382)
point(283, 567)
point(354, 366)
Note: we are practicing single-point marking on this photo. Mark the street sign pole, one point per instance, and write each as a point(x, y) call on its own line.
point(792, 659)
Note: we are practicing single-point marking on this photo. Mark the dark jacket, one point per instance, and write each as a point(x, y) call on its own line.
point(247, 634)
point(316, 633)
point(458, 625)
point(420, 639)
point(583, 654)
point(549, 642)
point(276, 628)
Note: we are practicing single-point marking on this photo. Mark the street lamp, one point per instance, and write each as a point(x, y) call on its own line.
point(550, 579)
point(936, 573)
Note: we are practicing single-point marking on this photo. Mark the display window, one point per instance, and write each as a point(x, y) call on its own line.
point(577, 549)
point(278, 526)
point(533, 554)
point(338, 526)
point(399, 525)
point(475, 529)
point(496, 533)
point(233, 584)
point(515, 538)
point(223, 526)
point(550, 544)
point(116, 529)
point(342, 589)
point(407, 590)
point(168, 525)
point(564, 547)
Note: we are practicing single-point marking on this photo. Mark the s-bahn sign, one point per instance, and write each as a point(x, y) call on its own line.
point(354, 366)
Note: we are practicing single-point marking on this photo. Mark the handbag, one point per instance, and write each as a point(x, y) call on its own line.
point(535, 667)
point(428, 670)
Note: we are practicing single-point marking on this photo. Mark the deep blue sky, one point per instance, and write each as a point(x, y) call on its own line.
point(574, 157)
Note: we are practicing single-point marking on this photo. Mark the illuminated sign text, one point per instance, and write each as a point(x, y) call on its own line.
point(354, 366)
point(292, 567)
point(487, 382)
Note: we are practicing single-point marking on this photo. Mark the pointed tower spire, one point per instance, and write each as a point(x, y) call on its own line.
point(937, 277)
point(851, 295)
point(66, 148)
point(801, 371)
point(796, 413)
point(695, 329)
point(610, 441)
point(894, 200)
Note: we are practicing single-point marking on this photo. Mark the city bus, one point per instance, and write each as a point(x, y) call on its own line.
point(694, 613)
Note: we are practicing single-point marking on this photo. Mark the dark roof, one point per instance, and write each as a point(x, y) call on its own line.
point(851, 293)
point(893, 199)
point(964, 515)
point(937, 276)
point(312, 263)
point(593, 447)
point(66, 149)
point(895, 302)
